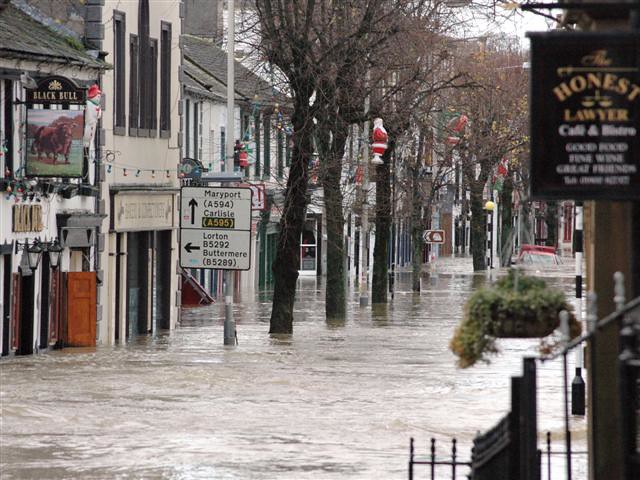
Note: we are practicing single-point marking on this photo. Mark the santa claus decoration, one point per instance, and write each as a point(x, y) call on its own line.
point(379, 145)
point(456, 125)
point(92, 114)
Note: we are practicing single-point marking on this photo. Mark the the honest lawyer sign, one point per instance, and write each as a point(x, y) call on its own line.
point(585, 115)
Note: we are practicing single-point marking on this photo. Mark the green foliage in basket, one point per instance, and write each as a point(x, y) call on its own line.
point(516, 306)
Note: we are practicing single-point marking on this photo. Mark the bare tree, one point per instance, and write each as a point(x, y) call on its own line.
point(497, 126)
point(311, 42)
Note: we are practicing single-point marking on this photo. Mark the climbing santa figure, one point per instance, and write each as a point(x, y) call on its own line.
point(379, 145)
point(91, 114)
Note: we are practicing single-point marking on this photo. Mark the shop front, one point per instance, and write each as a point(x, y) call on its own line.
point(141, 255)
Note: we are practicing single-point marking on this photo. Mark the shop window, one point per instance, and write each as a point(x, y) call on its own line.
point(308, 247)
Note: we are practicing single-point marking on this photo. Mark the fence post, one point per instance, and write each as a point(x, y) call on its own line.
point(411, 459)
point(529, 467)
point(514, 428)
point(629, 402)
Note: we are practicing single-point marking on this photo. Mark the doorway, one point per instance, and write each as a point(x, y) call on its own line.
point(44, 302)
point(6, 302)
point(25, 329)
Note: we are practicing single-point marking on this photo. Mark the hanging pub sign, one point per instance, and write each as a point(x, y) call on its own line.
point(585, 115)
point(55, 128)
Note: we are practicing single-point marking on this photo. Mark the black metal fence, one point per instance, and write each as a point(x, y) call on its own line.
point(630, 392)
point(438, 465)
point(454, 467)
point(509, 450)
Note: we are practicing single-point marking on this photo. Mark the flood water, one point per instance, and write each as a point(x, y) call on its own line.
point(333, 401)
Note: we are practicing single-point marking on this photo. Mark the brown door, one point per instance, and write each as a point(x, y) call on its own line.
point(81, 301)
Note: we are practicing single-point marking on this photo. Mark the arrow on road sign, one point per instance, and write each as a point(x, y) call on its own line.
point(188, 247)
point(193, 204)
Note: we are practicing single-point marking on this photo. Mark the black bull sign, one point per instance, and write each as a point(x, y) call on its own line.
point(585, 114)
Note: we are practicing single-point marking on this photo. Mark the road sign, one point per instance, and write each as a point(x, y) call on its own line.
point(433, 236)
point(215, 228)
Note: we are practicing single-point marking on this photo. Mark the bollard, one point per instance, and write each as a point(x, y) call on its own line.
point(578, 394)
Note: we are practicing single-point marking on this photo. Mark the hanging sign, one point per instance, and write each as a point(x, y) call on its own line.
point(54, 135)
point(54, 90)
point(585, 115)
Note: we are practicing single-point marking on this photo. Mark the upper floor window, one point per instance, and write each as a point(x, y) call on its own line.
point(119, 114)
point(144, 96)
point(165, 79)
point(133, 85)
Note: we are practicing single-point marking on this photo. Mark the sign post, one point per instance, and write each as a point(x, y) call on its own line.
point(215, 233)
point(215, 228)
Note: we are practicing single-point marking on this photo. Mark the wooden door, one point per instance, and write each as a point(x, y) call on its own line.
point(81, 313)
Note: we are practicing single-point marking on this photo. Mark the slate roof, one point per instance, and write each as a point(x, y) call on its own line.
point(198, 81)
point(22, 37)
point(202, 54)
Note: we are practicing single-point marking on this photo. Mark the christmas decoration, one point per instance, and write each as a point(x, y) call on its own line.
point(456, 125)
point(91, 114)
point(379, 145)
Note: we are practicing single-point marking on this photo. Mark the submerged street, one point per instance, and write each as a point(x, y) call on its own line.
point(335, 400)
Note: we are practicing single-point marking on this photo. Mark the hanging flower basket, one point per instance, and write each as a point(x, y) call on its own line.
point(516, 306)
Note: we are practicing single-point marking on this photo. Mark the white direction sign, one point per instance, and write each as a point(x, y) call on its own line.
point(433, 236)
point(215, 228)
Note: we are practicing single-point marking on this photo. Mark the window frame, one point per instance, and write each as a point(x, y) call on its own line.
point(134, 98)
point(119, 73)
point(165, 79)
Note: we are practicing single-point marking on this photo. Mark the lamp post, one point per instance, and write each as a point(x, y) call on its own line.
point(489, 206)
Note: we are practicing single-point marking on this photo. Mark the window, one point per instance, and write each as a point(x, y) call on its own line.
point(6, 138)
point(144, 67)
point(256, 136)
point(147, 73)
point(287, 148)
point(196, 130)
point(152, 116)
point(280, 149)
point(119, 114)
point(267, 145)
point(133, 85)
point(187, 130)
point(165, 79)
point(222, 149)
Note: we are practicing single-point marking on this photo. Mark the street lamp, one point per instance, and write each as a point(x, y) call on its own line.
point(55, 251)
point(34, 251)
point(37, 248)
point(489, 207)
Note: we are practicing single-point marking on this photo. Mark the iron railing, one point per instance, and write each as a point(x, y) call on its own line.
point(509, 450)
point(457, 468)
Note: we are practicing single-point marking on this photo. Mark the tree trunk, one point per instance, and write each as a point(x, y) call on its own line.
point(526, 225)
point(506, 213)
point(287, 261)
point(379, 281)
point(417, 229)
point(417, 222)
point(335, 293)
point(478, 228)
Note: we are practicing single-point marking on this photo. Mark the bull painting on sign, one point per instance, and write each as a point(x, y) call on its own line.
point(54, 143)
